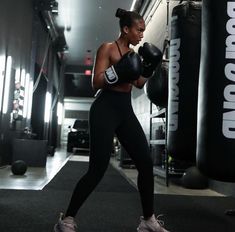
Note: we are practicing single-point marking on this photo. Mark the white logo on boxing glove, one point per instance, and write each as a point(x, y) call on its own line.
point(110, 75)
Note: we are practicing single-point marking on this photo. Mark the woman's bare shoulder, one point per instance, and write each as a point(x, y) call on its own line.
point(105, 49)
point(106, 46)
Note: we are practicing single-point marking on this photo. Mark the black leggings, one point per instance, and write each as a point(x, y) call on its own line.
point(111, 113)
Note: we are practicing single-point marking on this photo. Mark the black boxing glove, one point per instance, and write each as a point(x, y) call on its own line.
point(127, 69)
point(151, 57)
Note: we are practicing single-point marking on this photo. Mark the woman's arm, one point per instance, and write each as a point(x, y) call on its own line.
point(102, 62)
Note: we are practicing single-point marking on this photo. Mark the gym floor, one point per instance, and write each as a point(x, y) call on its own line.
point(37, 177)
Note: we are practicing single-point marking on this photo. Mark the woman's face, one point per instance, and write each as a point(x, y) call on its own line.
point(135, 33)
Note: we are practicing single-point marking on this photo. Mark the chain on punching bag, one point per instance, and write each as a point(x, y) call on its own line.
point(185, 47)
point(216, 103)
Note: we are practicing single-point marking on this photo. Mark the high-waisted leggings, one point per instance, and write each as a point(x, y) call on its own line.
point(112, 113)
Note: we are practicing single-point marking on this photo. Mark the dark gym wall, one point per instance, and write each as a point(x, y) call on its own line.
point(24, 37)
point(16, 31)
point(15, 40)
point(77, 84)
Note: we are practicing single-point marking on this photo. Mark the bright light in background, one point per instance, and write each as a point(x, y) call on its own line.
point(133, 4)
point(59, 112)
point(145, 89)
point(30, 99)
point(26, 95)
point(47, 111)
point(22, 79)
point(7, 85)
point(17, 75)
point(87, 72)
point(2, 71)
point(65, 14)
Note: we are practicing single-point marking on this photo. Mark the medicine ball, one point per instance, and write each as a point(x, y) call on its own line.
point(19, 167)
point(194, 179)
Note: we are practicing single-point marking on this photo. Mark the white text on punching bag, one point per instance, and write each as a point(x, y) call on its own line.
point(174, 89)
point(228, 127)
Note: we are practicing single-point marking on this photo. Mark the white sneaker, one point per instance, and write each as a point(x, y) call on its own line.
point(151, 225)
point(65, 224)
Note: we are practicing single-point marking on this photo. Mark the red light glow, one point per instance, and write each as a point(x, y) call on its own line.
point(87, 72)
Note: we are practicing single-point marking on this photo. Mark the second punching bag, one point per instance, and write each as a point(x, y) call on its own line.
point(216, 103)
point(185, 48)
point(157, 85)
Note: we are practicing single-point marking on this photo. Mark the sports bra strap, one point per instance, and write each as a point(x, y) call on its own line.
point(118, 48)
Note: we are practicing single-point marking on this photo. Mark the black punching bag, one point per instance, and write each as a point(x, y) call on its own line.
point(216, 103)
point(185, 48)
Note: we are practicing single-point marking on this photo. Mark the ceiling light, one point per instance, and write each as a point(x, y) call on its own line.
point(133, 5)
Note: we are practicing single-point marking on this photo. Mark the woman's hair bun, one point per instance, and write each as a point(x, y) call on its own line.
point(120, 13)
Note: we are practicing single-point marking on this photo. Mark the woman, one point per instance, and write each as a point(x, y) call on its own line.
point(117, 68)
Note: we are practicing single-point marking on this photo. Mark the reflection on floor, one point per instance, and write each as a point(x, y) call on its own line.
point(37, 178)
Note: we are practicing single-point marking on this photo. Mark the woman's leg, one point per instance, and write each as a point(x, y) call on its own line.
point(133, 139)
point(101, 140)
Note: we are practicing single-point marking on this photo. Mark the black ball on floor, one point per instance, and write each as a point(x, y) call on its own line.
point(194, 179)
point(19, 167)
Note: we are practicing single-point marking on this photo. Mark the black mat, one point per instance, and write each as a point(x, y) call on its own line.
point(69, 175)
point(113, 207)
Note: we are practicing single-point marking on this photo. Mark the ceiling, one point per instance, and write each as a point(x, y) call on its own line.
point(88, 23)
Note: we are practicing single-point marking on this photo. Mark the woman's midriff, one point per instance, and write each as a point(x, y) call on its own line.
point(125, 87)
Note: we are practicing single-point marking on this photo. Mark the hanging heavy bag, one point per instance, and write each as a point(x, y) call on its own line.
point(157, 85)
point(216, 106)
point(185, 47)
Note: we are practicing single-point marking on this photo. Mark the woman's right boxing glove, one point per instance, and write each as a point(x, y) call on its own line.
point(127, 69)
